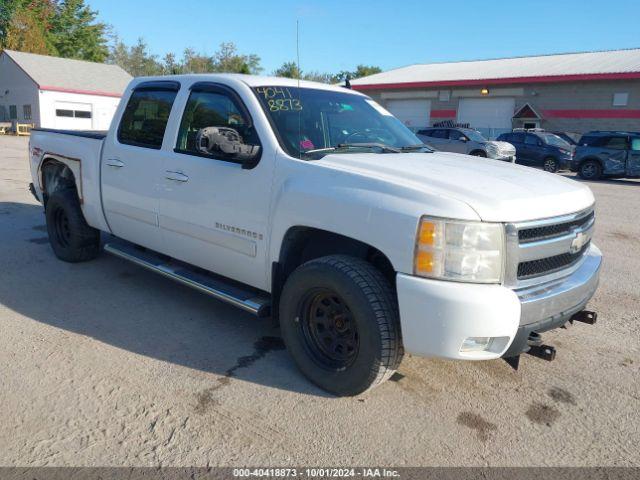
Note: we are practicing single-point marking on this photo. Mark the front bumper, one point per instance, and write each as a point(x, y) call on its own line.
point(438, 316)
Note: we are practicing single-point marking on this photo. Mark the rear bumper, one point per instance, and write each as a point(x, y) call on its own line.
point(437, 316)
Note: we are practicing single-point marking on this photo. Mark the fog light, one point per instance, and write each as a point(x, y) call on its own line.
point(484, 344)
point(475, 344)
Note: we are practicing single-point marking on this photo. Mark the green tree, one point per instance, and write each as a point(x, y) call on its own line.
point(193, 62)
point(75, 33)
point(137, 60)
point(227, 59)
point(365, 71)
point(288, 70)
point(25, 25)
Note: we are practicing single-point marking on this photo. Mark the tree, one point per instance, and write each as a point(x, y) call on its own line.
point(75, 33)
point(288, 70)
point(196, 63)
point(25, 25)
point(137, 60)
point(227, 59)
point(365, 71)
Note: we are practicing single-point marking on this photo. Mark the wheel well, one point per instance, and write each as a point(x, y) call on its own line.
point(55, 176)
point(478, 152)
point(301, 244)
point(594, 159)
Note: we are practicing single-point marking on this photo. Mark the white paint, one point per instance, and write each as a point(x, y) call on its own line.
point(414, 113)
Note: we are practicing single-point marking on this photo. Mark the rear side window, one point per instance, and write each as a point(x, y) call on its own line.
point(615, 143)
point(426, 133)
point(588, 140)
point(531, 140)
point(635, 144)
point(145, 118)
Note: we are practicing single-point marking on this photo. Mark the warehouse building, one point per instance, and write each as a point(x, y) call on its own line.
point(574, 92)
point(53, 92)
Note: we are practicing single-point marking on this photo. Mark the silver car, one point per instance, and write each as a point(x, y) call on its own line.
point(467, 140)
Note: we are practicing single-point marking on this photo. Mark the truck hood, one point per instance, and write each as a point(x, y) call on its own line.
point(497, 191)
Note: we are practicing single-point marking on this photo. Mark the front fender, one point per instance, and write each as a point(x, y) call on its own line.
point(370, 210)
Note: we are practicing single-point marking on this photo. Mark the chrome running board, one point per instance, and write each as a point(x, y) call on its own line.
point(249, 299)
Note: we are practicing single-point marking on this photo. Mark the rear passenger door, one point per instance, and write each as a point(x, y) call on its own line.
point(633, 160)
point(132, 164)
point(531, 150)
point(612, 152)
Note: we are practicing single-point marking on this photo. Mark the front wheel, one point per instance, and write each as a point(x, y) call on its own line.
point(479, 153)
point(590, 170)
point(339, 320)
point(550, 165)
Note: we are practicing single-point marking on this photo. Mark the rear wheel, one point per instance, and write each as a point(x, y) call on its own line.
point(71, 238)
point(550, 165)
point(339, 320)
point(590, 170)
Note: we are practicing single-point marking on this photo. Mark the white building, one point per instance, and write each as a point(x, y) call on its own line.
point(53, 92)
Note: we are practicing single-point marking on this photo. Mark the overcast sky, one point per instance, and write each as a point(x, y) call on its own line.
point(337, 35)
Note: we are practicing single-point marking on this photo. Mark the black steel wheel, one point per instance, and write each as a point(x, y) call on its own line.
point(71, 238)
point(329, 330)
point(339, 320)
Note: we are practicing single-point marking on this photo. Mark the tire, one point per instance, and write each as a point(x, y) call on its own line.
point(359, 345)
point(550, 165)
point(71, 238)
point(479, 153)
point(590, 170)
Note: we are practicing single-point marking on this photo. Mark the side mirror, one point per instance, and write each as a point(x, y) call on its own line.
point(463, 139)
point(229, 143)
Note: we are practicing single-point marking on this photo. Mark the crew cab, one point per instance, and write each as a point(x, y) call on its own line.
point(312, 205)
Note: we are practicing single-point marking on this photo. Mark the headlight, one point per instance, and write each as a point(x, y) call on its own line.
point(461, 251)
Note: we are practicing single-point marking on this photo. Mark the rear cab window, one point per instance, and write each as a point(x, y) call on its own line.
point(145, 118)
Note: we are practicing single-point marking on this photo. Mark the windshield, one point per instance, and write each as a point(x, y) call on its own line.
point(307, 119)
point(474, 136)
point(555, 140)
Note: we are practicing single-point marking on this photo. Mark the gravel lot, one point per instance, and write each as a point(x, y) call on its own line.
point(104, 364)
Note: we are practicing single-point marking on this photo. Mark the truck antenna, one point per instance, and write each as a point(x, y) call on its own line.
point(299, 73)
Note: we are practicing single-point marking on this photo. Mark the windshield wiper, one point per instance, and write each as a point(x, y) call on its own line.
point(411, 148)
point(345, 146)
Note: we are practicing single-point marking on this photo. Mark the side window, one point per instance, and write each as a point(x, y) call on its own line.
point(426, 133)
point(635, 144)
point(531, 140)
point(440, 133)
point(615, 143)
point(145, 118)
point(456, 135)
point(517, 137)
point(212, 109)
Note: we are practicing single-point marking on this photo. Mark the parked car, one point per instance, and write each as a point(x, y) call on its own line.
point(466, 140)
point(570, 137)
point(540, 149)
point(608, 154)
point(313, 205)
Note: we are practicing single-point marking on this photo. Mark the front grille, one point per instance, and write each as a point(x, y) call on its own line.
point(534, 234)
point(545, 266)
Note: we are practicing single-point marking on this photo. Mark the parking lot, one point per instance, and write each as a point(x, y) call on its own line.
point(103, 363)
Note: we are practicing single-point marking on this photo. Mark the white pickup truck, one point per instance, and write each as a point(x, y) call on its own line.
point(312, 205)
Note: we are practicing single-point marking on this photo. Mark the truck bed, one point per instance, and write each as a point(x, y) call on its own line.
point(95, 134)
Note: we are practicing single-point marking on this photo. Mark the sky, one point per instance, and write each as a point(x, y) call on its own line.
point(338, 35)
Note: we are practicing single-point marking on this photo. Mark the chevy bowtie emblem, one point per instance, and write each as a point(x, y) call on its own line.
point(578, 242)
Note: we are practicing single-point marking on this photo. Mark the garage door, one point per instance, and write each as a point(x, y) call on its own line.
point(73, 116)
point(492, 116)
point(413, 113)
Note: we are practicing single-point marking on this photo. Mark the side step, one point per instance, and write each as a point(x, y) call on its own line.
point(246, 298)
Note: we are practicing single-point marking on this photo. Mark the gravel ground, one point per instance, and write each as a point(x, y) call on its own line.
point(105, 364)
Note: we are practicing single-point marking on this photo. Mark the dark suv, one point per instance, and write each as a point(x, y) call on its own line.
point(610, 154)
point(540, 149)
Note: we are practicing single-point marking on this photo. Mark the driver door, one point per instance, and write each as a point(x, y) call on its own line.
point(213, 213)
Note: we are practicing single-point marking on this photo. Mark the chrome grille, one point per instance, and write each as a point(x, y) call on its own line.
point(543, 250)
point(526, 235)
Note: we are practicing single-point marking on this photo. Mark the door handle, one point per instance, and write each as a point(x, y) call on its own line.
point(176, 176)
point(114, 162)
